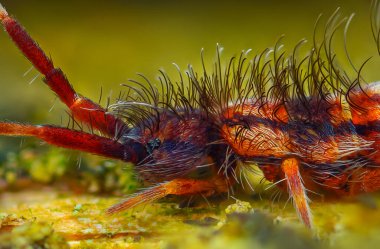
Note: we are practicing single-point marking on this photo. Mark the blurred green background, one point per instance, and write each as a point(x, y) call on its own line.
point(101, 44)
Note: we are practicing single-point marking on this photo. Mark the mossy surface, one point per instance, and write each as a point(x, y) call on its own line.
point(50, 219)
point(65, 208)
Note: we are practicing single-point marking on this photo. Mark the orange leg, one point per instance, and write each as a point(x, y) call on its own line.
point(290, 167)
point(82, 108)
point(174, 187)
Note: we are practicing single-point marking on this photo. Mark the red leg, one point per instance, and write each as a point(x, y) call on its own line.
point(174, 187)
point(82, 108)
point(72, 139)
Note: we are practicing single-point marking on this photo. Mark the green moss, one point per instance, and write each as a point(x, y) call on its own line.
point(239, 207)
point(49, 167)
point(53, 165)
point(32, 236)
point(81, 220)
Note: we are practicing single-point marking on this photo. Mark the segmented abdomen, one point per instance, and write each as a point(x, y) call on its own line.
point(337, 140)
point(366, 116)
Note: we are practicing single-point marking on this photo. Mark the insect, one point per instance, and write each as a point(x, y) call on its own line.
point(303, 121)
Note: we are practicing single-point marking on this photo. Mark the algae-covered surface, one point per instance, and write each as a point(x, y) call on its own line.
point(57, 212)
point(63, 221)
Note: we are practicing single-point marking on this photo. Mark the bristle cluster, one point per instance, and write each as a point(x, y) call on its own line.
point(311, 82)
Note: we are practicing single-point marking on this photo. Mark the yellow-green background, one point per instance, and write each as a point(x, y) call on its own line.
point(104, 43)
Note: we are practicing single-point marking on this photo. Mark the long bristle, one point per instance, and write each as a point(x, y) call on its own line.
point(3, 12)
point(145, 196)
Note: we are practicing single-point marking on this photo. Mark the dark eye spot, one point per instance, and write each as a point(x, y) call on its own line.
point(152, 145)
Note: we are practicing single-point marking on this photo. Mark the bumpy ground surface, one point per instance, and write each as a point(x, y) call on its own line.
point(46, 218)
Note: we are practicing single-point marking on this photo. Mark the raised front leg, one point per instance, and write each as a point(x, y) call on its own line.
point(82, 108)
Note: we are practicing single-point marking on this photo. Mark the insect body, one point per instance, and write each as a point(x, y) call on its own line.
point(313, 129)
